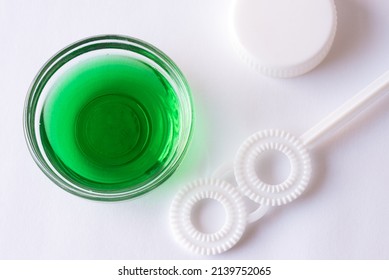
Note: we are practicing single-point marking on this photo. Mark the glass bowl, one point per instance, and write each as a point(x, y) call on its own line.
point(108, 118)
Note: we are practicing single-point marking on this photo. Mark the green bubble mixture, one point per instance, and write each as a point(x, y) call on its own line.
point(110, 122)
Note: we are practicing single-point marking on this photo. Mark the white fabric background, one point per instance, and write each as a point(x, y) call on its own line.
point(343, 215)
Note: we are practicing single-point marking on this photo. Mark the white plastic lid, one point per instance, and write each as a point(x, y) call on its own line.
point(283, 38)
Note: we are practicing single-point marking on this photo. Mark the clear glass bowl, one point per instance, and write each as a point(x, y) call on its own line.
point(45, 132)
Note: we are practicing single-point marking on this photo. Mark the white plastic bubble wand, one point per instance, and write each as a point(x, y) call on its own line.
point(250, 185)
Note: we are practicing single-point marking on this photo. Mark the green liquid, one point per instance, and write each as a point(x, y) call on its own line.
point(110, 122)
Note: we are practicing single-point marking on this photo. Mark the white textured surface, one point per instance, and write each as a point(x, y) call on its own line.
point(345, 210)
point(188, 234)
point(256, 188)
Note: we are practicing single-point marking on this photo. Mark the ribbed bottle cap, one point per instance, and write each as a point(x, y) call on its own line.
point(283, 38)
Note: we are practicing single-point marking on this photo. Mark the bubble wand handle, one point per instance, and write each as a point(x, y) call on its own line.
point(349, 110)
